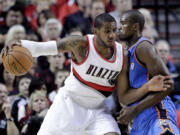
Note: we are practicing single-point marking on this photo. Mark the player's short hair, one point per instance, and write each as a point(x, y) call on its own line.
point(136, 17)
point(103, 18)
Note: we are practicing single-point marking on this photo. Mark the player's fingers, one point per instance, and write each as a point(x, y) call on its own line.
point(123, 122)
point(119, 118)
point(169, 81)
point(159, 77)
point(167, 77)
point(164, 88)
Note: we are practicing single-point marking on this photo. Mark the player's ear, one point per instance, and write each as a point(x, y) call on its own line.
point(136, 27)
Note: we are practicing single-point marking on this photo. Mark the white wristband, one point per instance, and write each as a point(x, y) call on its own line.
point(40, 48)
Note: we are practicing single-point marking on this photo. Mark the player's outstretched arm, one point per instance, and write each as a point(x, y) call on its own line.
point(74, 44)
point(148, 55)
point(129, 95)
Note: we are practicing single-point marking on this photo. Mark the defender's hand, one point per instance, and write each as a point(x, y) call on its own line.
point(159, 83)
point(127, 114)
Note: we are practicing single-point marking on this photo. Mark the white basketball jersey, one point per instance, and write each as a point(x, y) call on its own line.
point(96, 71)
point(92, 75)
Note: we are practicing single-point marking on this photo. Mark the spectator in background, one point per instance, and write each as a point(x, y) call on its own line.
point(7, 125)
point(33, 10)
point(81, 18)
point(14, 15)
point(9, 80)
point(97, 7)
point(37, 84)
point(57, 62)
point(5, 5)
point(60, 76)
point(1, 5)
point(48, 66)
point(64, 8)
point(22, 98)
point(164, 51)
point(120, 7)
point(31, 35)
point(38, 106)
point(43, 16)
point(15, 33)
point(52, 30)
point(149, 30)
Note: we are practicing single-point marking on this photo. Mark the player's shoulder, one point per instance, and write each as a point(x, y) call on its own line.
point(144, 45)
point(78, 40)
point(145, 49)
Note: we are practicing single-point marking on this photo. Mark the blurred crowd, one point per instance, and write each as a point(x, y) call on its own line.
point(25, 100)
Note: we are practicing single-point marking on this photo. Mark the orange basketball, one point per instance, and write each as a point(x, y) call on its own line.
point(18, 60)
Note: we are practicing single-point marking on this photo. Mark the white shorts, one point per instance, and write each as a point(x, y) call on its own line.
point(66, 117)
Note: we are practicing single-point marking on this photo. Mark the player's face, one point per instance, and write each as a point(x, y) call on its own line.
point(125, 29)
point(107, 34)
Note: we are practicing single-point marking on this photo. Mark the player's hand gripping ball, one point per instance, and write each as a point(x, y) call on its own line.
point(17, 60)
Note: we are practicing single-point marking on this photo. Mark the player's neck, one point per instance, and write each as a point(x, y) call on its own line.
point(133, 40)
point(106, 51)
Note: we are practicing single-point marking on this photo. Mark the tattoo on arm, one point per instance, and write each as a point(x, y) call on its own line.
point(82, 52)
point(69, 43)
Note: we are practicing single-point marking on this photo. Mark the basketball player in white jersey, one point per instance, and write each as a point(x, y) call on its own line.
point(96, 63)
